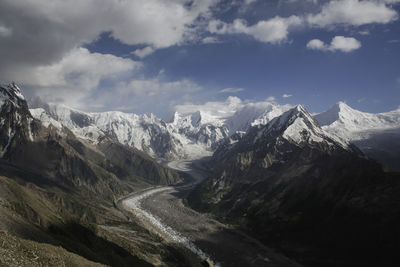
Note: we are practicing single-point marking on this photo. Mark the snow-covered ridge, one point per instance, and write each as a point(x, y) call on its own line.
point(298, 126)
point(11, 92)
point(189, 134)
point(350, 124)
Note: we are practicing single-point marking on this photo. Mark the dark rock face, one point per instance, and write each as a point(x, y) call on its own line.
point(80, 119)
point(130, 164)
point(319, 202)
point(15, 118)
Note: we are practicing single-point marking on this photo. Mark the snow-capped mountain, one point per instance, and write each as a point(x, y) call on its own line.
point(351, 124)
point(144, 132)
point(198, 130)
point(296, 127)
point(15, 119)
point(299, 127)
point(291, 176)
point(189, 134)
point(377, 135)
point(254, 114)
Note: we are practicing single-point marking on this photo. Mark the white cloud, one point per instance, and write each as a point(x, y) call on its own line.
point(390, 1)
point(42, 51)
point(210, 40)
point(316, 44)
point(270, 99)
point(338, 43)
point(75, 76)
point(344, 44)
point(44, 31)
point(4, 31)
point(143, 94)
point(333, 13)
point(352, 13)
point(286, 95)
point(366, 32)
point(226, 108)
point(231, 90)
point(219, 109)
point(143, 52)
point(248, 2)
point(274, 30)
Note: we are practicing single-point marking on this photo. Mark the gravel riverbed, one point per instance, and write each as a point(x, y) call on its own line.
point(163, 211)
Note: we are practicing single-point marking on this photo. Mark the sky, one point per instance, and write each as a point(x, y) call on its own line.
point(147, 56)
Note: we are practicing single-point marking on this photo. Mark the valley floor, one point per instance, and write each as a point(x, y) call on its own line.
point(161, 210)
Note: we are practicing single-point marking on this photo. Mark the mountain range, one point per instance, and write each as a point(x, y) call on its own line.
point(59, 195)
point(311, 186)
point(199, 132)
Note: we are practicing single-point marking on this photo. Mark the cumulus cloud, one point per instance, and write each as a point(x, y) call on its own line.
point(143, 52)
point(138, 95)
point(41, 41)
point(248, 2)
point(332, 14)
point(4, 31)
point(75, 76)
point(286, 95)
point(41, 44)
point(338, 43)
point(270, 99)
point(316, 44)
point(366, 32)
point(218, 109)
point(210, 40)
point(231, 90)
point(43, 32)
point(390, 1)
point(274, 30)
point(352, 13)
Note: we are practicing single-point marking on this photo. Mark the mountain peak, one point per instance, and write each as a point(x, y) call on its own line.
point(341, 104)
point(298, 126)
point(337, 112)
point(343, 107)
point(300, 108)
point(11, 92)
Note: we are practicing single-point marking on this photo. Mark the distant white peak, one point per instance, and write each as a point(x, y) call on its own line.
point(196, 119)
point(252, 114)
point(200, 118)
point(337, 112)
point(344, 118)
point(181, 121)
point(299, 126)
